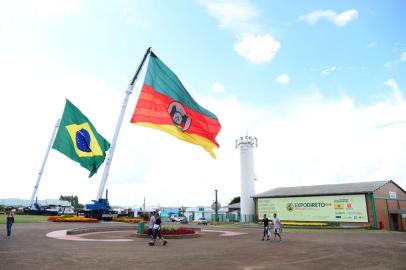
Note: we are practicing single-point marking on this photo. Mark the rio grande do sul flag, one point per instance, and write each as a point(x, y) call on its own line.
point(166, 105)
point(78, 139)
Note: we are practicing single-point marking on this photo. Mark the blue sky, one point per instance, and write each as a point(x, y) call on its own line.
point(107, 39)
point(320, 83)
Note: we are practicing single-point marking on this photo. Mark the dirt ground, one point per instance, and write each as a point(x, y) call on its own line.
point(30, 248)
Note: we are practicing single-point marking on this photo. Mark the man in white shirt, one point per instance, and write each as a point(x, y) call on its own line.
point(151, 225)
point(276, 227)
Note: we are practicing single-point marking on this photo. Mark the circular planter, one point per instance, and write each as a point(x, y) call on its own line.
point(102, 229)
point(173, 236)
point(178, 233)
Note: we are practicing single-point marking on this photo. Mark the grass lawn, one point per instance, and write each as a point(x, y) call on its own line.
point(24, 219)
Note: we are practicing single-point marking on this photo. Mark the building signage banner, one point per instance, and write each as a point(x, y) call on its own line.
point(343, 208)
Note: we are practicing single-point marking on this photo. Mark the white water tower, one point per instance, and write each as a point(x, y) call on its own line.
point(246, 145)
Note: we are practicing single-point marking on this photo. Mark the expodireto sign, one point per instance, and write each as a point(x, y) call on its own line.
point(343, 208)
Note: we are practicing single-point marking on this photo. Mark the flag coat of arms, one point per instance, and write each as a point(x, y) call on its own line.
point(165, 104)
point(78, 139)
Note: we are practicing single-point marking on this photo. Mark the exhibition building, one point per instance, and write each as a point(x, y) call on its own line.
point(377, 204)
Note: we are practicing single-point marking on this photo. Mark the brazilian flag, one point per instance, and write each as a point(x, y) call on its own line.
point(78, 139)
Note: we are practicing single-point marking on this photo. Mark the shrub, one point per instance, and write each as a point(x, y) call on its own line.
point(172, 230)
point(53, 218)
point(71, 219)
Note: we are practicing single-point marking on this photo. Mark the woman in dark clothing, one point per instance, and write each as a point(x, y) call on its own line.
point(265, 220)
point(157, 229)
point(10, 221)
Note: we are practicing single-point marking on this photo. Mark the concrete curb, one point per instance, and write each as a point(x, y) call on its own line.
point(84, 230)
point(62, 235)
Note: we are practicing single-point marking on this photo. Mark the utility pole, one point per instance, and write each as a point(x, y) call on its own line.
point(217, 216)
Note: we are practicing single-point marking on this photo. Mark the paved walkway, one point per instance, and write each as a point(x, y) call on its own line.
point(30, 248)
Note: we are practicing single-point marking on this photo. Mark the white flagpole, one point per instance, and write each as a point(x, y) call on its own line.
point(34, 192)
point(118, 126)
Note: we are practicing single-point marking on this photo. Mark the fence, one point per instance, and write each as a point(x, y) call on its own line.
point(248, 219)
point(225, 218)
point(221, 217)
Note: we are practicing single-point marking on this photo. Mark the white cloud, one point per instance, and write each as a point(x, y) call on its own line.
point(397, 93)
point(372, 44)
point(236, 15)
point(31, 18)
point(240, 17)
point(283, 79)
point(132, 15)
point(127, 13)
point(217, 87)
point(388, 64)
point(340, 19)
point(48, 8)
point(328, 70)
point(403, 57)
point(6, 18)
point(257, 49)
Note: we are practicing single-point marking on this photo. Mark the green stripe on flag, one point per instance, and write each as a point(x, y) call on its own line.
point(163, 80)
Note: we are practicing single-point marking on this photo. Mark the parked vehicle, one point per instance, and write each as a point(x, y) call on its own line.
point(184, 220)
point(202, 221)
point(175, 219)
point(100, 209)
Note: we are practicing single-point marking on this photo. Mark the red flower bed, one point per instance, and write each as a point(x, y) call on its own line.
point(53, 218)
point(178, 231)
point(174, 232)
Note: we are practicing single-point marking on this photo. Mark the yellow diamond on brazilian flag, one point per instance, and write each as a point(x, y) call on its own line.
point(78, 139)
point(83, 140)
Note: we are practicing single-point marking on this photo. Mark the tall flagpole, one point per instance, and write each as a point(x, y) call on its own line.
point(118, 126)
point(34, 192)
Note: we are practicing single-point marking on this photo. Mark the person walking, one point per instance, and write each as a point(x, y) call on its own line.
point(151, 225)
point(276, 227)
point(10, 221)
point(157, 229)
point(265, 220)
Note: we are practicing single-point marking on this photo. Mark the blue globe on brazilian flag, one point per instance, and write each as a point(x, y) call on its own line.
point(78, 139)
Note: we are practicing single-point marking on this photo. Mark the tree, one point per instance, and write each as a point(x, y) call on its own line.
point(235, 200)
point(74, 200)
point(182, 210)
